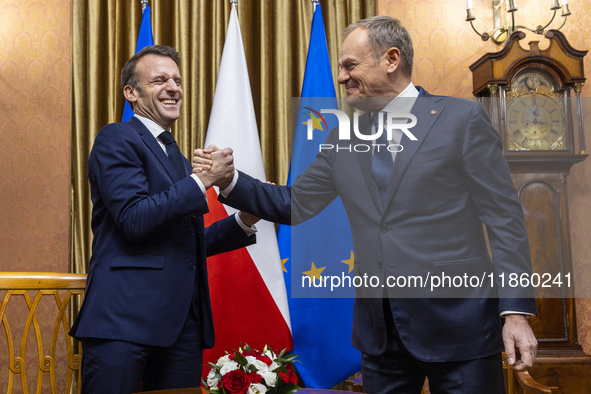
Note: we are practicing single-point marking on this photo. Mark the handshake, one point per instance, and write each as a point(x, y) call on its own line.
point(214, 166)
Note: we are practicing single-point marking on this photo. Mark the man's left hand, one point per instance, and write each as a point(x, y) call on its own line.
point(202, 160)
point(520, 343)
point(221, 172)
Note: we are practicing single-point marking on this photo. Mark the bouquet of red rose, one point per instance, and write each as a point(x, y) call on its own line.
point(249, 371)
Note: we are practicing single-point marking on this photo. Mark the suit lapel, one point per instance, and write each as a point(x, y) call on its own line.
point(427, 110)
point(154, 146)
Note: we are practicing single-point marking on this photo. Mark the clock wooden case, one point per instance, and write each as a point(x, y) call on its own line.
point(534, 100)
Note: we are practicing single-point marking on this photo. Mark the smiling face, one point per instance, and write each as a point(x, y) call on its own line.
point(364, 75)
point(160, 95)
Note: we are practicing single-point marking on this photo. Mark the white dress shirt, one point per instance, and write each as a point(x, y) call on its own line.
point(155, 129)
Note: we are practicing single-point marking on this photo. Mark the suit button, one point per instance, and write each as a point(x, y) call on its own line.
point(191, 231)
point(384, 228)
point(193, 265)
point(380, 265)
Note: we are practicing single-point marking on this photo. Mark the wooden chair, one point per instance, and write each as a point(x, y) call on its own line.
point(529, 385)
point(36, 312)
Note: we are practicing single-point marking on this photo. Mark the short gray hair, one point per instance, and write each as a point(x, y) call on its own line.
point(384, 33)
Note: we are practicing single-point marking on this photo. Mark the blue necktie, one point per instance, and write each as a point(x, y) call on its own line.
point(381, 163)
point(174, 154)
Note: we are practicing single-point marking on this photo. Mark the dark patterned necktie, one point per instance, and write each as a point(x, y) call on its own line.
point(174, 154)
point(381, 163)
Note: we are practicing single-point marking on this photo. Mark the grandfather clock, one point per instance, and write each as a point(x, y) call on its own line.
point(534, 100)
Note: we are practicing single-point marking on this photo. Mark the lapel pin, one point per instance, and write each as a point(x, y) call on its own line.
point(433, 112)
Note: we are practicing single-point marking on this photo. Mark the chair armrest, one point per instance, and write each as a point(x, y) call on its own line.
point(530, 386)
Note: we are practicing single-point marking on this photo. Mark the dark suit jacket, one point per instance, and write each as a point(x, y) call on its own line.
point(442, 189)
point(148, 263)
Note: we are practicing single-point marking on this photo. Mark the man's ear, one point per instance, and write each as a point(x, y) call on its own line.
point(393, 58)
point(131, 94)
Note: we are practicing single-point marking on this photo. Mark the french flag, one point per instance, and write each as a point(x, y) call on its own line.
point(247, 289)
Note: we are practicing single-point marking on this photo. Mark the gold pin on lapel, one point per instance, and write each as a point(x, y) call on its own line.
point(433, 112)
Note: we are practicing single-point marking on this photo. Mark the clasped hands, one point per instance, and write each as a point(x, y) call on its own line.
point(215, 167)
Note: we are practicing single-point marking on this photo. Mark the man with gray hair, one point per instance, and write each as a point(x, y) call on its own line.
point(416, 211)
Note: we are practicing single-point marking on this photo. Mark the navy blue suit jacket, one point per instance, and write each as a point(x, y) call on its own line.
point(148, 264)
point(443, 187)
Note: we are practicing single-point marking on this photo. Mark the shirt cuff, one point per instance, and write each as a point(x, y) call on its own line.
point(248, 230)
point(226, 192)
point(201, 185)
point(527, 315)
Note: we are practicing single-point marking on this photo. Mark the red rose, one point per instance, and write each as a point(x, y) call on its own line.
point(235, 382)
point(265, 359)
point(255, 378)
point(288, 377)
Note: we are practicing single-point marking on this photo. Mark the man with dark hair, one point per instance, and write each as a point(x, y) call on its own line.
point(128, 73)
point(415, 211)
point(146, 314)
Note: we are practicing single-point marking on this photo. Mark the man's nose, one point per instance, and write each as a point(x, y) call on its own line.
point(172, 85)
point(343, 76)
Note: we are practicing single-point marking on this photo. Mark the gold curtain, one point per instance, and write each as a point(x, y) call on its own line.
point(275, 33)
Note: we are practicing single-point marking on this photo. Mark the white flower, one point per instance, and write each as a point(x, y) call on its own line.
point(212, 381)
point(273, 366)
point(270, 378)
point(229, 366)
point(223, 360)
point(257, 388)
point(251, 360)
point(261, 366)
point(270, 354)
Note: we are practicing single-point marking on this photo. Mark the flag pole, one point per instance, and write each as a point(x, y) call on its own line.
point(144, 4)
point(315, 2)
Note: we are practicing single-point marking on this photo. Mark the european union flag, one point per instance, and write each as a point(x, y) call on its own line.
point(321, 327)
point(144, 39)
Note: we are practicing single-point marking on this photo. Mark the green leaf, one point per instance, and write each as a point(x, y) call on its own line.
point(289, 358)
point(288, 389)
point(240, 359)
point(281, 368)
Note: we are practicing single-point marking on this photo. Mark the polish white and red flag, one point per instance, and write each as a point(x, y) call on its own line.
point(247, 288)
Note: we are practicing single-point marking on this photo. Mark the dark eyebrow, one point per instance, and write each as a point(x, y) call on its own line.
point(158, 78)
point(165, 78)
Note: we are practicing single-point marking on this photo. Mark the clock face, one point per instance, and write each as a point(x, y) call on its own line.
point(536, 122)
point(535, 115)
